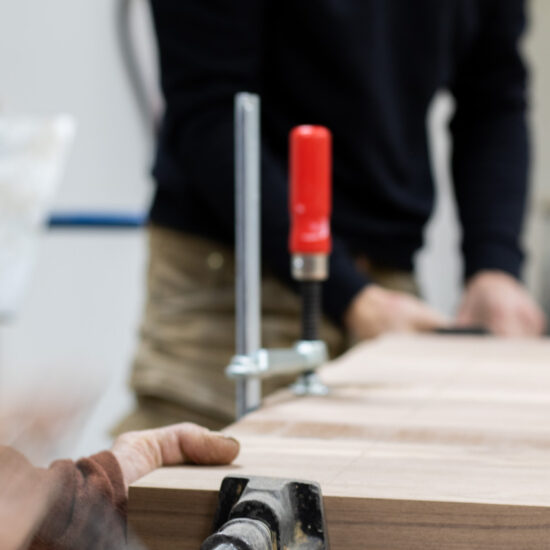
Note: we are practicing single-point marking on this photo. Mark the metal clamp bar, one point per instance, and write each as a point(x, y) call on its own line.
point(247, 243)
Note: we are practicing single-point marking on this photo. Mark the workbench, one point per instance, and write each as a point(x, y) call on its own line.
point(425, 442)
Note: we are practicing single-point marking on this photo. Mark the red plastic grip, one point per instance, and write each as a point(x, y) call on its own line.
point(310, 190)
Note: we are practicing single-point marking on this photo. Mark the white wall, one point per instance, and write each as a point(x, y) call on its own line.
point(439, 264)
point(76, 330)
point(62, 56)
point(538, 236)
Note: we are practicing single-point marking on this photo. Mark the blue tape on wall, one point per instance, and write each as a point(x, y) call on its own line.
point(96, 220)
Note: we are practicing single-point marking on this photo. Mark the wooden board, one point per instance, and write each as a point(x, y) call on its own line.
point(424, 443)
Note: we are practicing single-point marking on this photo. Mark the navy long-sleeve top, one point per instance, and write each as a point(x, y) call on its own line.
point(368, 70)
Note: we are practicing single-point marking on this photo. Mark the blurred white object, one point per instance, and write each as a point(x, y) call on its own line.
point(33, 152)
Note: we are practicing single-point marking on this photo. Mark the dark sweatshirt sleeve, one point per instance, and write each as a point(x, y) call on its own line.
point(89, 511)
point(490, 158)
point(209, 51)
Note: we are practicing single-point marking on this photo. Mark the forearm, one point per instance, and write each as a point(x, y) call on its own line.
point(210, 52)
point(491, 164)
point(490, 157)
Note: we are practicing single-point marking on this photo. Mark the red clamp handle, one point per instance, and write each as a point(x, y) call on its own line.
point(310, 190)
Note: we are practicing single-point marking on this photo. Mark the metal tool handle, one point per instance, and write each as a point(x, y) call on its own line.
point(310, 201)
point(247, 243)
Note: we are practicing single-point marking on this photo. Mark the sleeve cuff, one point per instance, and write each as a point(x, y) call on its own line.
point(482, 256)
point(343, 284)
point(107, 461)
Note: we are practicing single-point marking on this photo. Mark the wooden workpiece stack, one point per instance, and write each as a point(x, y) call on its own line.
point(423, 443)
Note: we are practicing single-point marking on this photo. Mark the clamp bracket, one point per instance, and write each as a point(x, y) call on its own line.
point(306, 355)
point(302, 359)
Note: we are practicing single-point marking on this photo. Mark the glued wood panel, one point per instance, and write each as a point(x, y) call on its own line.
point(424, 442)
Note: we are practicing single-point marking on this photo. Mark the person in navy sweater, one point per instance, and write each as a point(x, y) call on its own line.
point(368, 70)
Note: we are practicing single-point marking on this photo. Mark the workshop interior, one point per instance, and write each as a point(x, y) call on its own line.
point(388, 436)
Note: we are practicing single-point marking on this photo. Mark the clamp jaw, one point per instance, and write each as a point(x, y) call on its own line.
point(305, 356)
point(309, 243)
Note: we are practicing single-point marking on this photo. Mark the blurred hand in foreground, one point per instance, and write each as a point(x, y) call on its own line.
point(498, 302)
point(25, 496)
point(375, 311)
point(79, 505)
point(139, 453)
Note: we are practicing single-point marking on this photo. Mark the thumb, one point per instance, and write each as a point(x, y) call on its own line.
point(192, 443)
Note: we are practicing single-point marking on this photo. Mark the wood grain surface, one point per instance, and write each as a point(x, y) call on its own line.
point(423, 443)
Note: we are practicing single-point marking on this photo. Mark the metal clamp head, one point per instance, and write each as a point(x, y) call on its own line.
point(309, 267)
point(309, 384)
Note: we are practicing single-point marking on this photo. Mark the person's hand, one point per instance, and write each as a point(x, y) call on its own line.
point(498, 302)
point(139, 453)
point(375, 311)
point(25, 496)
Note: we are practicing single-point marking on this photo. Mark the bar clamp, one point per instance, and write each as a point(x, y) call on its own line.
point(309, 242)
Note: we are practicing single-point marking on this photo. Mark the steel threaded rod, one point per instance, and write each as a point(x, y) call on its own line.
point(311, 309)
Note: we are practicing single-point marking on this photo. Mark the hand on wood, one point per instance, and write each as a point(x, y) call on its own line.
point(139, 453)
point(498, 302)
point(375, 311)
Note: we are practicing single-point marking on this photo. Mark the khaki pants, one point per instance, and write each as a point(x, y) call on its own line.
point(188, 330)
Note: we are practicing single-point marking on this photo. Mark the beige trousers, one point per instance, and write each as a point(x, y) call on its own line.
point(188, 330)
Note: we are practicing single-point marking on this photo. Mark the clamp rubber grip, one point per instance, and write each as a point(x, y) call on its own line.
point(310, 190)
